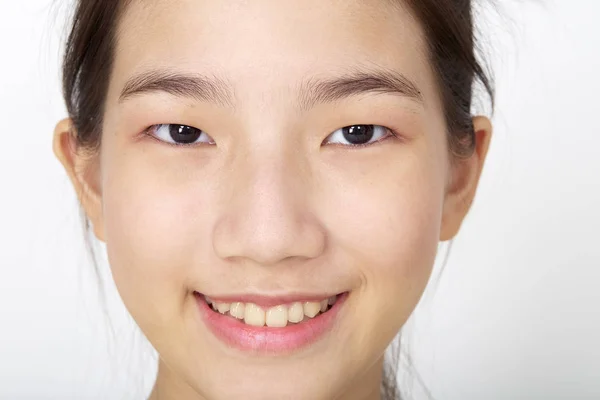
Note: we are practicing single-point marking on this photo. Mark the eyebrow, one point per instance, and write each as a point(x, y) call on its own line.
point(311, 92)
point(195, 86)
point(358, 83)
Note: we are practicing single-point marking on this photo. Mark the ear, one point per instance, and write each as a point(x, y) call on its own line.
point(464, 178)
point(82, 167)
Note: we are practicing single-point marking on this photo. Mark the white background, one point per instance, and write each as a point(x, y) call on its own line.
point(516, 314)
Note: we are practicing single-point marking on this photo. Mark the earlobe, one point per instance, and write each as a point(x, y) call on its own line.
point(82, 168)
point(464, 180)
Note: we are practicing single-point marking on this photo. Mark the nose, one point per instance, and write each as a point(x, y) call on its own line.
point(266, 216)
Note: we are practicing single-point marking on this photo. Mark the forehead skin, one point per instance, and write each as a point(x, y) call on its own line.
point(265, 56)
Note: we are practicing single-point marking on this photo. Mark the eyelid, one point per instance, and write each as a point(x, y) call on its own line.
point(389, 134)
point(151, 132)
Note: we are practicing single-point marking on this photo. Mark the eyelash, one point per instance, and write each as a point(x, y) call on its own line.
point(389, 134)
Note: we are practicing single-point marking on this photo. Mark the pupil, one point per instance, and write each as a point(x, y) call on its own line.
point(358, 134)
point(184, 134)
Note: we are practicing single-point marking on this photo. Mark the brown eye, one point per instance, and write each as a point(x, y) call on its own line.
point(180, 134)
point(184, 134)
point(359, 135)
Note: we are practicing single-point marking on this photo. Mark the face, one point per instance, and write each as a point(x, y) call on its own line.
point(270, 156)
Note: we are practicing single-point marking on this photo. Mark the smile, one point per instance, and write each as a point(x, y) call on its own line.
point(275, 317)
point(270, 325)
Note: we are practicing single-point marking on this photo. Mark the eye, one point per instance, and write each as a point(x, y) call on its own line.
point(360, 135)
point(179, 134)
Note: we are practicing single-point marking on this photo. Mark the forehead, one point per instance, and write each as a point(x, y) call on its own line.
point(262, 41)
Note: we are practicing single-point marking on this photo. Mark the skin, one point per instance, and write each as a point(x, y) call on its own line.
point(270, 208)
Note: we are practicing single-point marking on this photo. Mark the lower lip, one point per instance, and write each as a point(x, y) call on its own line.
point(237, 334)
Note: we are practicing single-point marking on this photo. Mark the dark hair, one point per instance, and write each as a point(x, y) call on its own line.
point(449, 31)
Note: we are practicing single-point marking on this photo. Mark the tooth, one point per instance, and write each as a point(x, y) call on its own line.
point(254, 315)
point(208, 299)
point(237, 310)
point(277, 317)
point(223, 307)
point(296, 313)
point(324, 305)
point(213, 305)
point(331, 300)
point(311, 308)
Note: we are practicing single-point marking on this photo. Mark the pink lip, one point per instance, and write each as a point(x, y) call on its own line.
point(244, 337)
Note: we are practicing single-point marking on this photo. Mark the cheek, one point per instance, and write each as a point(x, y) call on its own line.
point(389, 226)
point(390, 216)
point(153, 227)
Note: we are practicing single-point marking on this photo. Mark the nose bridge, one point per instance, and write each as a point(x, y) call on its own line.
point(269, 184)
point(267, 217)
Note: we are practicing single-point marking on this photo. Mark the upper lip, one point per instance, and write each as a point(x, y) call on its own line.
point(269, 301)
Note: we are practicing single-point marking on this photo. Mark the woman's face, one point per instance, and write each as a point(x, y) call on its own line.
point(269, 206)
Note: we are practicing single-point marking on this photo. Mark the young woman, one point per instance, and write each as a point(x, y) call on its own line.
point(272, 179)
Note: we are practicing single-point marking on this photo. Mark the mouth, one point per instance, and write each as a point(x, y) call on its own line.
point(283, 325)
point(278, 316)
